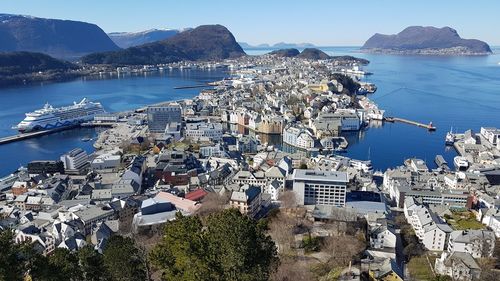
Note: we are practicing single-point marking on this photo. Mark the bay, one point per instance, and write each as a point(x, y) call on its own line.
point(115, 93)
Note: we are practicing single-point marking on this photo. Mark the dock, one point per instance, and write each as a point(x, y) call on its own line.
point(191, 87)
point(429, 126)
point(30, 135)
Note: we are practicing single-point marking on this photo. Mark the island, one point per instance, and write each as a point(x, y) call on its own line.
point(428, 40)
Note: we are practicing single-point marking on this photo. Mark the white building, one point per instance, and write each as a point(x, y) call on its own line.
point(491, 134)
point(381, 236)
point(428, 228)
point(320, 187)
point(478, 243)
point(75, 159)
point(203, 131)
point(349, 119)
point(106, 161)
point(298, 136)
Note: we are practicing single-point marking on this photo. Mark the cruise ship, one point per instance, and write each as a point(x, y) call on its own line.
point(50, 118)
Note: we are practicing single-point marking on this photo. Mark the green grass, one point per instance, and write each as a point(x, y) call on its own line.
point(464, 221)
point(419, 268)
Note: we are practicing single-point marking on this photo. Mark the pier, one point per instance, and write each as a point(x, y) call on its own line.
point(429, 126)
point(191, 87)
point(30, 135)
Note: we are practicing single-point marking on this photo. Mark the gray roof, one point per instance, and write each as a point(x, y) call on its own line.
point(315, 175)
point(92, 212)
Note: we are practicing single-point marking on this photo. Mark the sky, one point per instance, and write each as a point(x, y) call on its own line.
point(321, 22)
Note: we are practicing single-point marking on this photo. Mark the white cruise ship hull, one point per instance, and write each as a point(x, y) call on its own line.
point(49, 118)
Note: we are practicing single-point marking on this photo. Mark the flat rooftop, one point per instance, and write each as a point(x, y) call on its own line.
point(315, 175)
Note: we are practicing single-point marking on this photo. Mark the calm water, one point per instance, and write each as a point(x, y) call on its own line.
point(458, 92)
point(115, 94)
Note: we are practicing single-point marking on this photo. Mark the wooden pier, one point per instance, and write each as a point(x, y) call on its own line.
point(429, 126)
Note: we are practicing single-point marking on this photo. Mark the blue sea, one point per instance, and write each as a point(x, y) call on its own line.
point(452, 92)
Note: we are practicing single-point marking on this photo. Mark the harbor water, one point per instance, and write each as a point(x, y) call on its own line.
point(452, 92)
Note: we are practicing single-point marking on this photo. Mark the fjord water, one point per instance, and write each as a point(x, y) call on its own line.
point(115, 93)
point(458, 92)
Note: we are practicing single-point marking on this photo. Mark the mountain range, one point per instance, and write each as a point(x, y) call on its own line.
point(131, 39)
point(58, 38)
point(425, 40)
point(206, 42)
point(281, 45)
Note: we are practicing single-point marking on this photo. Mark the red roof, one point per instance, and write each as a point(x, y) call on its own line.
point(179, 202)
point(196, 195)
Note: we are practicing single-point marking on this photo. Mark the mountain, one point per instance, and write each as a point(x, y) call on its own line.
point(285, 52)
point(131, 39)
point(293, 45)
point(59, 38)
point(313, 54)
point(206, 42)
point(281, 45)
point(425, 40)
point(26, 67)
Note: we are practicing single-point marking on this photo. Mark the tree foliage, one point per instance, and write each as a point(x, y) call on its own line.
point(123, 260)
point(11, 262)
point(229, 246)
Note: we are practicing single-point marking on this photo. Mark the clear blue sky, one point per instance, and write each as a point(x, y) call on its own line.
point(320, 22)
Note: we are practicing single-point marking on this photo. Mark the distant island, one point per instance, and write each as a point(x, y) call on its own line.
point(316, 54)
point(206, 42)
point(59, 38)
point(281, 45)
point(420, 40)
point(131, 39)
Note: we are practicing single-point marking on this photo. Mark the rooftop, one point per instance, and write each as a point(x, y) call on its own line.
point(315, 175)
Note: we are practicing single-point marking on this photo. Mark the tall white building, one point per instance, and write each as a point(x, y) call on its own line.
point(313, 187)
point(75, 159)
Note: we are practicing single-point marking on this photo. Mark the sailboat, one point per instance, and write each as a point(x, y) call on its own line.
point(450, 137)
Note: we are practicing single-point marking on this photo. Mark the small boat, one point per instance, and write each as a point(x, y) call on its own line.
point(450, 138)
point(86, 139)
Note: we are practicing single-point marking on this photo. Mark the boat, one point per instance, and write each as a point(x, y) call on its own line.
point(50, 117)
point(450, 138)
point(86, 139)
point(461, 163)
point(362, 91)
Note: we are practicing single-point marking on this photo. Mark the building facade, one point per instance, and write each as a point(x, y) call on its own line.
point(313, 187)
point(160, 116)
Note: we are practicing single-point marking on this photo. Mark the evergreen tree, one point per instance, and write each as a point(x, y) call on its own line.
point(230, 246)
point(92, 264)
point(123, 260)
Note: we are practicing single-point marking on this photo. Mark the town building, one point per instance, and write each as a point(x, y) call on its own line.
point(313, 187)
point(160, 116)
point(75, 160)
